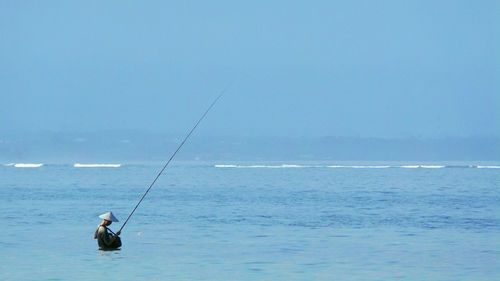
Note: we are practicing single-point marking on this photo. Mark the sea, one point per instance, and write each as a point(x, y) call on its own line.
point(253, 221)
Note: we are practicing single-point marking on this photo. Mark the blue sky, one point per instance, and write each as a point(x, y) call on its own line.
point(298, 68)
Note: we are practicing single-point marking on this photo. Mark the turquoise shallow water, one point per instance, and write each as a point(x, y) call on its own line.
point(247, 222)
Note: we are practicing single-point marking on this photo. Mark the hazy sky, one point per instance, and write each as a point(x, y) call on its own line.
point(299, 68)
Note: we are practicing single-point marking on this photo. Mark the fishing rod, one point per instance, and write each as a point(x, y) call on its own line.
point(172, 157)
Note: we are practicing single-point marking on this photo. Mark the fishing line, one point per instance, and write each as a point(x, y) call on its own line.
point(172, 157)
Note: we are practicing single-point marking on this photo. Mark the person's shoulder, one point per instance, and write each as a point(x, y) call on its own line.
point(101, 228)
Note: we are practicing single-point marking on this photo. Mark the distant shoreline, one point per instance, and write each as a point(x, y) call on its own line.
point(109, 147)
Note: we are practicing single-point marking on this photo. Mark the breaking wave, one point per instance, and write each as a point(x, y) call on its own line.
point(432, 166)
point(360, 167)
point(260, 166)
point(357, 166)
point(488, 167)
point(27, 165)
point(79, 165)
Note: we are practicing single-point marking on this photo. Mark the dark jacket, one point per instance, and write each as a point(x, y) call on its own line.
point(106, 240)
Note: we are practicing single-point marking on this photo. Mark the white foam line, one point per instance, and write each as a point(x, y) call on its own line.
point(422, 166)
point(79, 165)
point(351, 166)
point(360, 167)
point(488, 167)
point(292, 166)
point(27, 165)
point(371, 167)
point(225, 166)
point(259, 166)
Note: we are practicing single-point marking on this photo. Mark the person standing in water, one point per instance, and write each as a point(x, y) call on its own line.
point(107, 239)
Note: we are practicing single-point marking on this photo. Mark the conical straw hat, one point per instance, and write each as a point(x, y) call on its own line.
point(109, 217)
